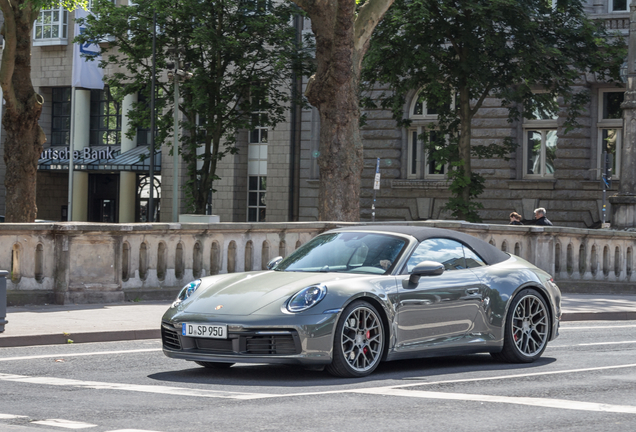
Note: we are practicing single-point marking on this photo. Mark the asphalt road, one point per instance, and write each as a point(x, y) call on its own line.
point(586, 381)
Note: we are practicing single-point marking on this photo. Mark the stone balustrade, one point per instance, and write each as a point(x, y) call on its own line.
point(75, 262)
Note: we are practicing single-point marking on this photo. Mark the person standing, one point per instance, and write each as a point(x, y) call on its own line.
point(515, 219)
point(540, 219)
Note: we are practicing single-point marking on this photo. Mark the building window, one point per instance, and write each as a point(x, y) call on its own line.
point(617, 5)
point(105, 127)
point(610, 125)
point(540, 150)
point(257, 164)
point(258, 134)
point(420, 163)
point(540, 145)
point(51, 27)
point(256, 199)
point(61, 117)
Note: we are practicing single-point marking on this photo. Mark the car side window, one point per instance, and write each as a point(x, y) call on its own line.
point(445, 251)
point(472, 259)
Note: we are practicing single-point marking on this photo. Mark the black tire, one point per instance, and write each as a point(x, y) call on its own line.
point(358, 341)
point(527, 328)
point(213, 365)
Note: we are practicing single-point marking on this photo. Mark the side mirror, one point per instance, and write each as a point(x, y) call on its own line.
point(274, 262)
point(426, 268)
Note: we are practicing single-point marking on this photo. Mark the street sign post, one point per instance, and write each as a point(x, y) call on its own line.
point(606, 180)
point(376, 187)
point(3, 299)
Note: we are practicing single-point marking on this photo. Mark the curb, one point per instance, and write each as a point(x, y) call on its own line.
point(599, 316)
point(64, 338)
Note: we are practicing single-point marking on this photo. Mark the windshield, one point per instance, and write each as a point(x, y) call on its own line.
point(352, 252)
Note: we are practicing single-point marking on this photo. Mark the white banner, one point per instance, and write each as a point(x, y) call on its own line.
point(86, 73)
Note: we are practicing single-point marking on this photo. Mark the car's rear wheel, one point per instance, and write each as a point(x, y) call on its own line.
point(358, 341)
point(527, 328)
point(214, 365)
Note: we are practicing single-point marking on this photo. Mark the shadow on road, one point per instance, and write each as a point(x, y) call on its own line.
point(257, 375)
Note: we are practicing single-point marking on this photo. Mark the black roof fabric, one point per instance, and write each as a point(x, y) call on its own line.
point(488, 252)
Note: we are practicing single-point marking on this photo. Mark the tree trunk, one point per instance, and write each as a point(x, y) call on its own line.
point(464, 147)
point(342, 39)
point(24, 137)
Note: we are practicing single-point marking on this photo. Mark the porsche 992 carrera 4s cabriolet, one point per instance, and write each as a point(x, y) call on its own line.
point(353, 297)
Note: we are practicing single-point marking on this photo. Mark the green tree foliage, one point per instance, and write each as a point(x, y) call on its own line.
point(241, 53)
point(457, 52)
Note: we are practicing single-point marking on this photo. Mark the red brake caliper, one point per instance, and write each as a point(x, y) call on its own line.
point(367, 335)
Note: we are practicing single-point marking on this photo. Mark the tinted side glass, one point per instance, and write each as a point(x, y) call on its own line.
point(472, 259)
point(445, 251)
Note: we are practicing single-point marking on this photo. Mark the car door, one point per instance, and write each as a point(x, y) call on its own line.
point(437, 310)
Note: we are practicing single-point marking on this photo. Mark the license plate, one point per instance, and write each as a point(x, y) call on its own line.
point(213, 331)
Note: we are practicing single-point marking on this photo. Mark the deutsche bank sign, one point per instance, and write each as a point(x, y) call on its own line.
point(86, 153)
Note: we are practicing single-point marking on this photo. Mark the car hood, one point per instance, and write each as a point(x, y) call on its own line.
point(247, 293)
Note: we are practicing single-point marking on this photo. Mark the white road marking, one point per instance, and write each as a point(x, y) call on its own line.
point(11, 416)
point(68, 424)
point(132, 387)
point(591, 344)
point(540, 402)
point(607, 343)
point(180, 391)
point(596, 327)
point(132, 430)
point(79, 354)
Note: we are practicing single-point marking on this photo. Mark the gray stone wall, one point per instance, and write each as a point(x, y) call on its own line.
point(572, 197)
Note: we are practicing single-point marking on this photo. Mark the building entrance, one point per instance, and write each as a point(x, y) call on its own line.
point(103, 192)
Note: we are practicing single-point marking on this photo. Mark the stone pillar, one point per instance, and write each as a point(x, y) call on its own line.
point(81, 125)
point(127, 179)
point(624, 203)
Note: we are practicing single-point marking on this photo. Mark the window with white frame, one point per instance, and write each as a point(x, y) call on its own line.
point(617, 5)
point(610, 128)
point(539, 145)
point(51, 27)
point(257, 164)
point(422, 132)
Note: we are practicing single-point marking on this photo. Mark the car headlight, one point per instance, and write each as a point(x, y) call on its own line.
point(306, 298)
point(188, 290)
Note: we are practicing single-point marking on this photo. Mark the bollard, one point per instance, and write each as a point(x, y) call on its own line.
point(3, 299)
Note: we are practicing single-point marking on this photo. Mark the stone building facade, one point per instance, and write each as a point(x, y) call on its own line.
point(274, 177)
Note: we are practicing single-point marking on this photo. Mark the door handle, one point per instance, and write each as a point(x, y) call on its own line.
point(471, 291)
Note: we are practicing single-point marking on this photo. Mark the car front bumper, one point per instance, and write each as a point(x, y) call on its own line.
point(305, 340)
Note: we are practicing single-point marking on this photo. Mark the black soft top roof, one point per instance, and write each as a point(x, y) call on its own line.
point(488, 252)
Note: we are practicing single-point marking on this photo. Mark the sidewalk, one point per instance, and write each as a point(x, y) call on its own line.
point(51, 324)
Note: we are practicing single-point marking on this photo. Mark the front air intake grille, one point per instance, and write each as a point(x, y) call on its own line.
point(218, 345)
point(170, 338)
point(271, 344)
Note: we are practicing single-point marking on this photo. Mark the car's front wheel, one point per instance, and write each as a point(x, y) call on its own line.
point(358, 342)
point(527, 328)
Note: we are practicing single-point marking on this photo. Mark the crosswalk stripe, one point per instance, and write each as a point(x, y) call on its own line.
point(68, 424)
point(10, 416)
point(181, 391)
point(132, 430)
point(540, 402)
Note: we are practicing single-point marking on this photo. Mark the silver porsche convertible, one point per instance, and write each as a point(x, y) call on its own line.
point(353, 297)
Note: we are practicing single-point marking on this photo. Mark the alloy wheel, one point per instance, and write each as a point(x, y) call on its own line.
point(530, 325)
point(361, 339)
